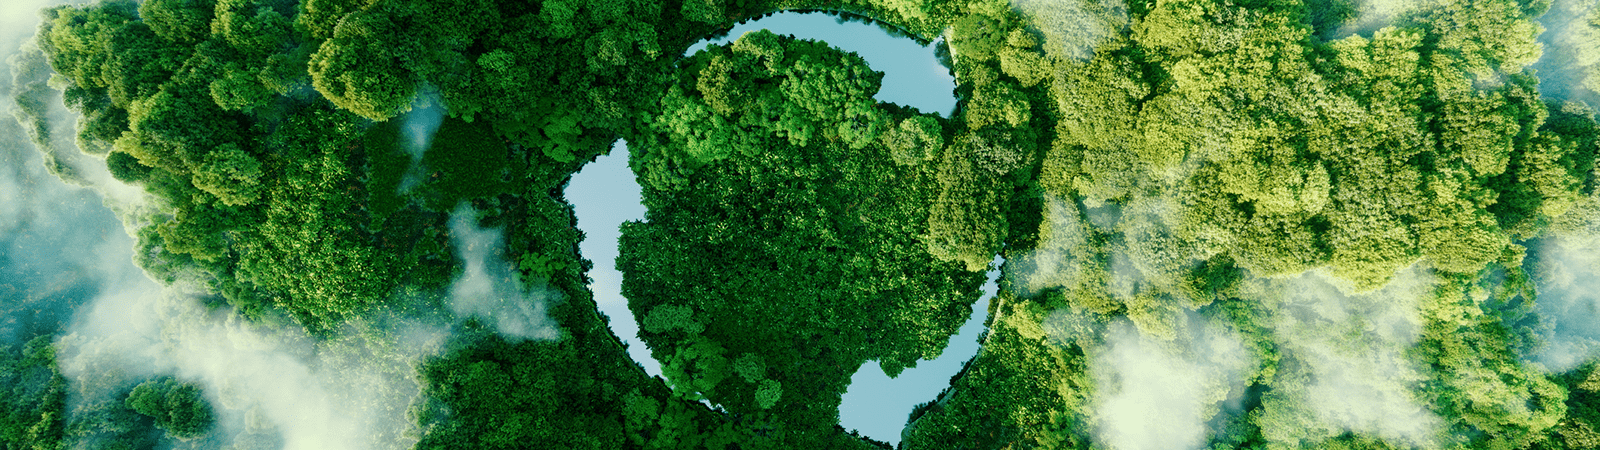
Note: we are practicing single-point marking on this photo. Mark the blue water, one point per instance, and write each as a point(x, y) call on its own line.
point(605, 195)
point(912, 76)
point(878, 406)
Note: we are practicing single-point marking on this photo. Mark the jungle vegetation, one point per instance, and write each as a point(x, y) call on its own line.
point(1173, 169)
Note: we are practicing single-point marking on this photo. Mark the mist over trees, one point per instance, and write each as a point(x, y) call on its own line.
point(1269, 224)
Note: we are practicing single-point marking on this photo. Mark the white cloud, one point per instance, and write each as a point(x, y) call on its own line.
point(490, 288)
point(1567, 276)
point(267, 384)
point(1350, 349)
point(1159, 395)
point(1571, 47)
point(1074, 28)
point(1056, 262)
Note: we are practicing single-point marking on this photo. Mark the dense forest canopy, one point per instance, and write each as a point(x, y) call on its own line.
point(1263, 224)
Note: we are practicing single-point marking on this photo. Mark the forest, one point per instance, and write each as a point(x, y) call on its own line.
point(1224, 224)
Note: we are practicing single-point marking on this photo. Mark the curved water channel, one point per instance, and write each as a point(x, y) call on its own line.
point(605, 194)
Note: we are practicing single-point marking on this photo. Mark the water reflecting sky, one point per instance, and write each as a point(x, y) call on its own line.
point(605, 195)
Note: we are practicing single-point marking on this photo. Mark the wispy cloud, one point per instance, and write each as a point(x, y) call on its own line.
point(1571, 48)
point(1567, 275)
point(491, 289)
point(1074, 28)
point(417, 128)
point(267, 383)
point(1160, 395)
point(1347, 368)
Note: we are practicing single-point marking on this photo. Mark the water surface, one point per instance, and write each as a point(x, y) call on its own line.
point(605, 195)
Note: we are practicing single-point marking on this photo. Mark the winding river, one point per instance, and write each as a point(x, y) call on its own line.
point(605, 195)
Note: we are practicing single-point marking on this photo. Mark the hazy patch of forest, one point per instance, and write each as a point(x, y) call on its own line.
point(1262, 224)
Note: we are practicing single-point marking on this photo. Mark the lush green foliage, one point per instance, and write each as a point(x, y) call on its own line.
point(1173, 171)
point(176, 406)
point(780, 249)
point(35, 397)
point(1214, 141)
point(38, 416)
